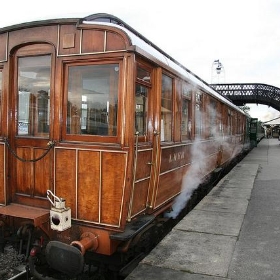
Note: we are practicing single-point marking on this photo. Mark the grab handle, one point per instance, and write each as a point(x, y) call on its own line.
point(56, 202)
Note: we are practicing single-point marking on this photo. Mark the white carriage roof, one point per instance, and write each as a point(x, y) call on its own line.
point(141, 42)
point(137, 39)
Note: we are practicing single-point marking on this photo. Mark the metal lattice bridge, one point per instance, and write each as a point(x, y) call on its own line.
point(240, 94)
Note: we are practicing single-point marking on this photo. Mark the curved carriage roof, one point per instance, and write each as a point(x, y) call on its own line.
point(142, 42)
point(137, 39)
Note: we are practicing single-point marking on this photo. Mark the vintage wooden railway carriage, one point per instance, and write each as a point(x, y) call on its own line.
point(97, 130)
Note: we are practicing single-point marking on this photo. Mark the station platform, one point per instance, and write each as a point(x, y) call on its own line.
point(233, 233)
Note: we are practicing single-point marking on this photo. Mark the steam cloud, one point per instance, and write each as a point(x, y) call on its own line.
point(191, 179)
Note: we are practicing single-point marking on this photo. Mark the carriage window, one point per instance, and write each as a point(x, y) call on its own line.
point(229, 122)
point(143, 84)
point(212, 118)
point(238, 125)
point(33, 95)
point(141, 109)
point(166, 108)
point(143, 75)
point(186, 111)
point(92, 99)
point(198, 114)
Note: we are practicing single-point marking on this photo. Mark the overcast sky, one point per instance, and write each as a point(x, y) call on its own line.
point(243, 34)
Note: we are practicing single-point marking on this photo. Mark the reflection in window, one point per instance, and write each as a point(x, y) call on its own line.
point(198, 114)
point(92, 99)
point(166, 108)
point(143, 75)
point(33, 95)
point(186, 111)
point(141, 109)
point(213, 118)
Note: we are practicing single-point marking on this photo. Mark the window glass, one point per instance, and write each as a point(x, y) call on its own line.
point(34, 95)
point(198, 114)
point(166, 108)
point(141, 109)
point(143, 75)
point(93, 99)
point(212, 118)
point(186, 111)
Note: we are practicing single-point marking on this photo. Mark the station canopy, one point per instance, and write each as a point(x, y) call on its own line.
point(272, 123)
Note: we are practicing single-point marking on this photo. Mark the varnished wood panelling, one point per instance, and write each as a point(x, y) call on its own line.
point(140, 197)
point(24, 174)
point(30, 179)
point(112, 188)
point(208, 165)
point(65, 177)
point(35, 34)
point(210, 147)
point(93, 41)
point(3, 46)
point(69, 40)
point(178, 112)
point(92, 182)
point(227, 152)
point(144, 162)
point(114, 42)
point(2, 174)
point(88, 185)
point(42, 173)
point(173, 157)
point(169, 185)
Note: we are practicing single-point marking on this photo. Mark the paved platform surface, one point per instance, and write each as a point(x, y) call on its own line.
point(233, 233)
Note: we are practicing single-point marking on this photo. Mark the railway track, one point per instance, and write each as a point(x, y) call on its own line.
point(17, 273)
point(12, 264)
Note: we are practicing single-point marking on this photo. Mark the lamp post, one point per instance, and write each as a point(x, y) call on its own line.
point(218, 72)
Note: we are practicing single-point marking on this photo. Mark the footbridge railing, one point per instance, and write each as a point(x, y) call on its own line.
point(241, 94)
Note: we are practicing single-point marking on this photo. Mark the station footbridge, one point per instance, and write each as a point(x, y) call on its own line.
point(241, 93)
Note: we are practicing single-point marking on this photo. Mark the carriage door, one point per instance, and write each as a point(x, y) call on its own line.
point(30, 148)
point(145, 142)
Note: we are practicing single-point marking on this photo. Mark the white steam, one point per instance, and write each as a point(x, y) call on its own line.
point(196, 172)
point(191, 180)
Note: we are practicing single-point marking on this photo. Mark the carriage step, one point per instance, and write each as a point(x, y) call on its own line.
point(133, 228)
point(37, 215)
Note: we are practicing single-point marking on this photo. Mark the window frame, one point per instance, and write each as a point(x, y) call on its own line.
point(229, 122)
point(149, 85)
point(186, 97)
point(198, 103)
point(212, 117)
point(172, 108)
point(33, 50)
point(88, 137)
point(34, 103)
